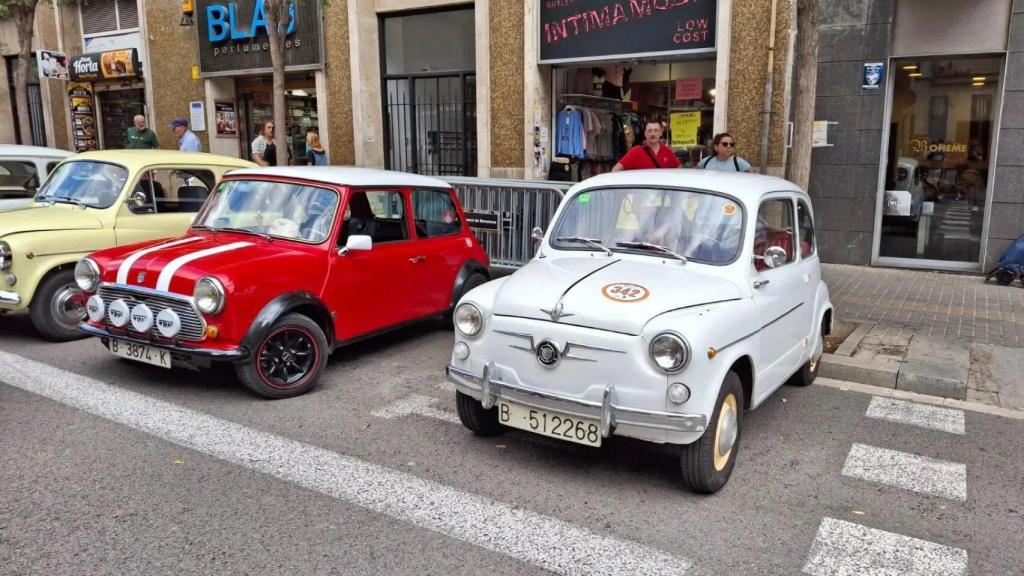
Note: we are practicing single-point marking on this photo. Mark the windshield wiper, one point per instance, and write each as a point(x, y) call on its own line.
point(588, 241)
point(64, 200)
point(653, 247)
point(263, 235)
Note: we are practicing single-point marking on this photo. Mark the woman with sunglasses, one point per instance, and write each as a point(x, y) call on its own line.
point(725, 157)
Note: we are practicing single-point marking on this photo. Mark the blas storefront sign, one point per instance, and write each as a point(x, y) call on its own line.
point(233, 37)
point(593, 30)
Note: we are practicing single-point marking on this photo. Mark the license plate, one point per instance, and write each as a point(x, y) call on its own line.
point(140, 353)
point(578, 430)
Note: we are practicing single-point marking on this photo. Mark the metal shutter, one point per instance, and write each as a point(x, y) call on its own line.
point(98, 16)
point(129, 13)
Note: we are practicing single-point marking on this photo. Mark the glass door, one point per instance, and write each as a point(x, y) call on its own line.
point(939, 159)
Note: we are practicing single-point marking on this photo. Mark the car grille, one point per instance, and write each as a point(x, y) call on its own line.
point(193, 327)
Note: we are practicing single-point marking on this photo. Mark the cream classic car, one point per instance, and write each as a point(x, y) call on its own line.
point(89, 202)
point(661, 305)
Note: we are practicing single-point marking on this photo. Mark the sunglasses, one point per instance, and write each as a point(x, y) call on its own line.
point(727, 144)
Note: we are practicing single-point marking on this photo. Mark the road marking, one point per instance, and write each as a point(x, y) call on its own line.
point(846, 549)
point(415, 404)
point(545, 541)
point(908, 471)
point(932, 417)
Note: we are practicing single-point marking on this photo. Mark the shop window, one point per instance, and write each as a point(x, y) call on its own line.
point(434, 213)
point(806, 229)
point(17, 179)
point(774, 228)
point(167, 191)
point(377, 214)
point(105, 16)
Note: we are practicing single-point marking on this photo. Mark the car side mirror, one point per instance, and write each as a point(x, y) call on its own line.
point(537, 234)
point(356, 242)
point(775, 256)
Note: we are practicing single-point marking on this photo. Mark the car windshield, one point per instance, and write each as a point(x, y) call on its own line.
point(85, 183)
point(293, 211)
point(660, 222)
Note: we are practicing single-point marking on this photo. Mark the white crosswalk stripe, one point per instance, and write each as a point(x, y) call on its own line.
point(415, 404)
point(932, 417)
point(545, 541)
point(847, 549)
point(908, 471)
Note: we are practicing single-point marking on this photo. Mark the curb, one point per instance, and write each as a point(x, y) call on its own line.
point(921, 398)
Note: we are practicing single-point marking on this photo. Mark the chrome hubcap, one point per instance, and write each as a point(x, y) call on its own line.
point(68, 306)
point(727, 431)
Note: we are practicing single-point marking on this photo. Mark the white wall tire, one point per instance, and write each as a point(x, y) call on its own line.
point(707, 464)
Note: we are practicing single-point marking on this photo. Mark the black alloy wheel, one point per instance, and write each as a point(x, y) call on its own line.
point(288, 360)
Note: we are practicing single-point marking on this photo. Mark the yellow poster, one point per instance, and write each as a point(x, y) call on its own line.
point(684, 126)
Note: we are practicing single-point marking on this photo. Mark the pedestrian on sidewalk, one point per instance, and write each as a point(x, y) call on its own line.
point(187, 139)
point(316, 155)
point(652, 153)
point(264, 152)
point(140, 137)
point(725, 158)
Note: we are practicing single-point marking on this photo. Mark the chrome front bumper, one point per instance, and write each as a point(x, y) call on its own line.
point(488, 390)
point(10, 298)
point(232, 354)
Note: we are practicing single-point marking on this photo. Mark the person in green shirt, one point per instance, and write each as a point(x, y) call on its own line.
point(141, 137)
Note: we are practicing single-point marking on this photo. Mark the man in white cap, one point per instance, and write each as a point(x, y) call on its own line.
point(187, 140)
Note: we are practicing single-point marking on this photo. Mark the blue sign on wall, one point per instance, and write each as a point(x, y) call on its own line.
point(223, 21)
point(874, 72)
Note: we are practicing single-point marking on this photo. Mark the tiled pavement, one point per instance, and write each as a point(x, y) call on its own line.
point(956, 306)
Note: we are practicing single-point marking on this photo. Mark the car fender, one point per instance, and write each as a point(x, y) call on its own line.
point(822, 307)
point(468, 268)
point(49, 252)
point(718, 335)
point(282, 304)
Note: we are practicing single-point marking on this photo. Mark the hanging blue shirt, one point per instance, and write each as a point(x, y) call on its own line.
point(570, 134)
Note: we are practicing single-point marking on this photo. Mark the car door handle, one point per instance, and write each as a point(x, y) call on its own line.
point(760, 283)
point(417, 259)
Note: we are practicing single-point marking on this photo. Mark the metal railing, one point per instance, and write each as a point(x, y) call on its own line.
point(503, 213)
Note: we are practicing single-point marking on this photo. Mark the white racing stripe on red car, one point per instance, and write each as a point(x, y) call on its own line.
point(164, 281)
point(126, 266)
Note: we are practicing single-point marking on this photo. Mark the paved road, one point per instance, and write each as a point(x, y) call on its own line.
point(108, 467)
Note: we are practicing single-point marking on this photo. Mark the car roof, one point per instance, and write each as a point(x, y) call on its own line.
point(347, 176)
point(746, 187)
point(142, 158)
point(17, 150)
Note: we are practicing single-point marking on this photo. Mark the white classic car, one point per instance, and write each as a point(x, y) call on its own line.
point(22, 170)
point(661, 305)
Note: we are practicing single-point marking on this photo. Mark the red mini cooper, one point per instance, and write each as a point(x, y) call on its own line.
point(280, 267)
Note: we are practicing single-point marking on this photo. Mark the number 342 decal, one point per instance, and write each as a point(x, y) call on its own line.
point(622, 292)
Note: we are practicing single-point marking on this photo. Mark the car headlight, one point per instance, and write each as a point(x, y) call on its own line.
point(209, 295)
point(6, 256)
point(87, 275)
point(670, 352)
point(468, 320)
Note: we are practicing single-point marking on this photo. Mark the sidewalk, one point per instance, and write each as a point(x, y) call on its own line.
point(947, 335)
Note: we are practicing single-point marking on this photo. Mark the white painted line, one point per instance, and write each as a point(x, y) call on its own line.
point(545, 541)
point(848, 549)
point(908, 471)
point(931, 417)
point(415, 404)
point(977, 407)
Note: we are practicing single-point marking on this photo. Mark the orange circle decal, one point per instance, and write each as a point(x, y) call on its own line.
point(622, 292)
point(729, 209)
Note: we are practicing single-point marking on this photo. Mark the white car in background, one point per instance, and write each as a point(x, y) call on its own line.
point(22, 170)
point(661, 305)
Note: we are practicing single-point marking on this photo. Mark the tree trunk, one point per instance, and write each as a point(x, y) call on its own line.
point(24, 18)
point(805, 92)
point(277, 25)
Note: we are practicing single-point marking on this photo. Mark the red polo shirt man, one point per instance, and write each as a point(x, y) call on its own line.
point(651, 154)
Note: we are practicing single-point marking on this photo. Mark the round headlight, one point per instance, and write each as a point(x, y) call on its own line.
point(670, 352)
point(87, 275)
point(209, 295)
point(6, 257)
point(468, 320)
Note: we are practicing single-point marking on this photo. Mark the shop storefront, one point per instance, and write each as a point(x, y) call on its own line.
point(105, 93)
point(615, 65)
point(234, 59)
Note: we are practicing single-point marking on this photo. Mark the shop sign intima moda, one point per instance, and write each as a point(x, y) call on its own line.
point(233, 37)
point(589, 30)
